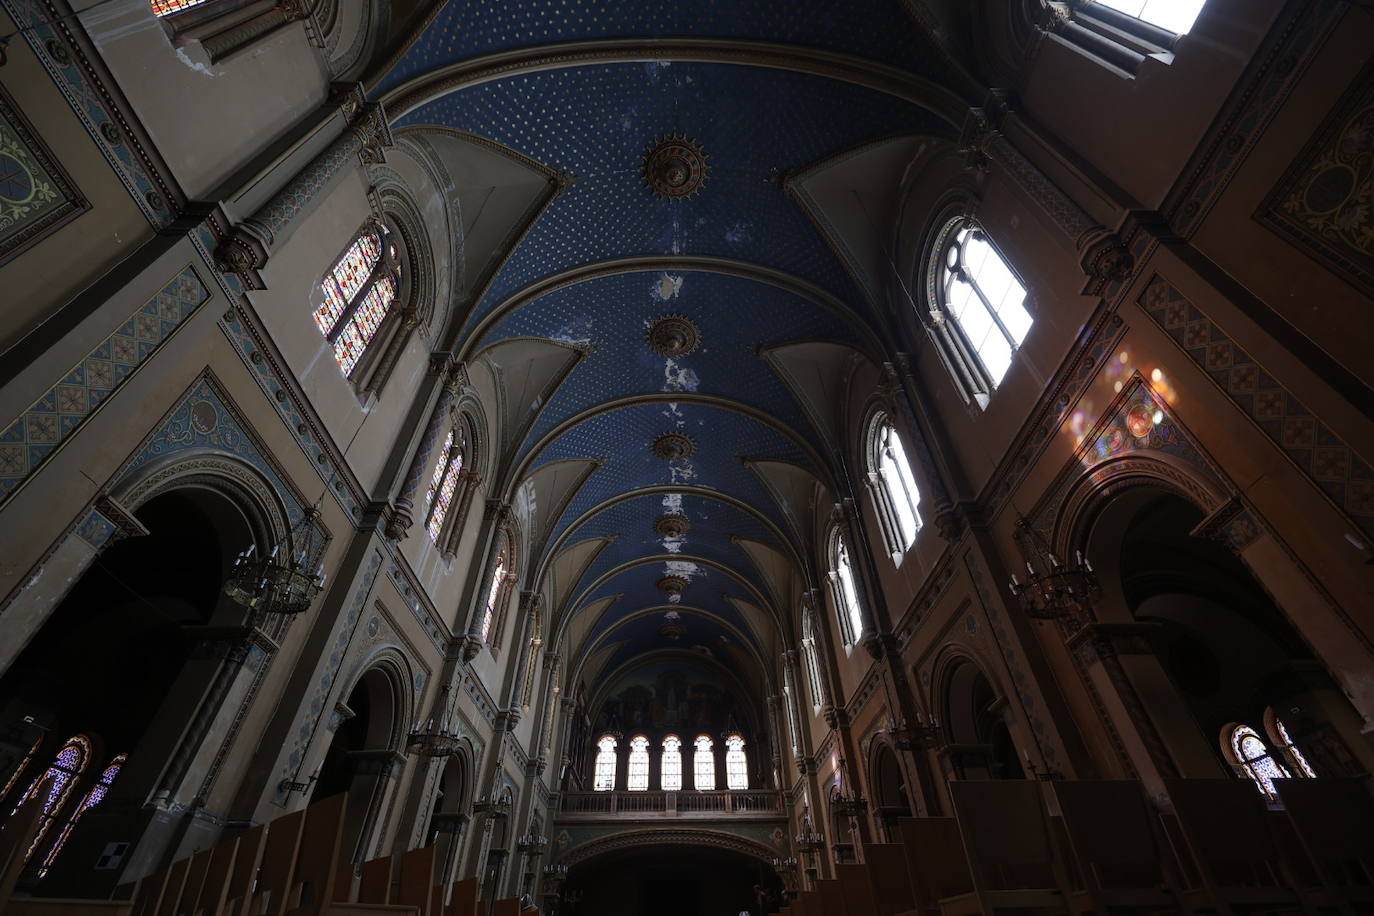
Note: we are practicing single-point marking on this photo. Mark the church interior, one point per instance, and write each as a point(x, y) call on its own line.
point(686, 457)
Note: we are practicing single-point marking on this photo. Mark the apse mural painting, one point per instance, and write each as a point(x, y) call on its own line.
point(667, 698)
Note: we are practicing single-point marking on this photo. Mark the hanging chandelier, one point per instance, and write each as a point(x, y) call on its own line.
point(284, 581)
point(1053, 590)
point(436, 739)
point(846, 804)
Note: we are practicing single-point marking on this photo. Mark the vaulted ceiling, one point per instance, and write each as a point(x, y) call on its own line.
point(807, 112)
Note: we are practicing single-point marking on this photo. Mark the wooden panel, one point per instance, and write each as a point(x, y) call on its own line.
point(273, 893)
point(375, 884)
point(887, 873)
point(312, 881)
point(463, 901)
point(245, 871)
point(857, 890)
point(196, 871)
point(935, 858)
point(508, 907)
point(832, 898)
point(415, 886)
point(216, 885)
point(171, 893)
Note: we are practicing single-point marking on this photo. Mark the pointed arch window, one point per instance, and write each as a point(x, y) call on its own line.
point(893, 486)
point(1279, 733)
point(845, 592)
point(443, 484)
point(358, 293)
point(604, 780)
point(92, 798)
point(23, 767)
point(811, 656)
point(637, 773)
point(703, 765)
point(1252, 758)
point(1176, 16)
point(498, 577)
point(736, 764)
point(978, 308)
point(671, 764)
point(61, 777)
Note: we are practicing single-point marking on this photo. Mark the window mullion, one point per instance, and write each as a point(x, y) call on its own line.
point(992, 312)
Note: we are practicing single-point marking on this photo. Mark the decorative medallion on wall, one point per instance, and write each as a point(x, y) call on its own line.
point(673, 525)
point(674, 446)
point(1323, 203)
point(673, 336)
point(672, 585)
point(36, 195)
point(675, 167)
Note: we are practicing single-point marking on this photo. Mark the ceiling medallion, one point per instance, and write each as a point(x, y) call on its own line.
point(673, 525)
point(674, 446)
point(672, 626)
point(673, 336)
point(673, 585)
point(675, 167)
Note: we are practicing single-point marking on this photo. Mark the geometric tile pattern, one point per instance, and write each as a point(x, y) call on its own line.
point(1331, 464)
point(30, 439)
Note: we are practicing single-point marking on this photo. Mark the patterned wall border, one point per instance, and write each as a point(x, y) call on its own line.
point(53, 37)
point(41, 430)
point(1333, 467)
point(27, 144)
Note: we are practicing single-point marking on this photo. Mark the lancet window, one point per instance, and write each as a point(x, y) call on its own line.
point(498, 579)
point(671, 765)
point(443, 484)
point(736, 764)
point(60, 778)
point(1253, 758)
point(358, 293)
point(1176, 16)
point(637, 773)
point(604, 780)
point(703, 765)
point(811, 657)
point(93, 797)
point(1290, 749)
point(845, 592)
point(893, 485)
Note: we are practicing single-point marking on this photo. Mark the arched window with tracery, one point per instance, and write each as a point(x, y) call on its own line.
point(604, 780)
point(1176, 16)
point(811, 656)
point(978, 312)
point(670, 767)
point(92, 798)
point(844, 591)
point(358, 294)
point(637, 772)
point(893, 485)
point(443, 484)
point(1253, 758)
point(703, 765)
point(1278, 733)
point(1122, 34)
point(736, 764)
point(494, 591)
point(61, 777)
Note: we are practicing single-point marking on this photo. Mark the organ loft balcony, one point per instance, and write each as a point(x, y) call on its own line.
point(686, 805)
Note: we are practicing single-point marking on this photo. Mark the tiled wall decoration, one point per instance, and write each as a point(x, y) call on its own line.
point(1331, 464)
point(1323, 203)
point(36, 196)
point(29, 440)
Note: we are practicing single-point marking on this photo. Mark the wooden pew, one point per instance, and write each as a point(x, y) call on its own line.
point(888, 878)
point(832, 897)
point(272, 893)
point(1007, 843)
point(1334, 823)
point(935, 859)
point(463, 901)
point(1225, 832)
point(415, 882)
point(1112, 835)
point(238, 895)
point(215, 888)
point(317, 857)
point(857, 888)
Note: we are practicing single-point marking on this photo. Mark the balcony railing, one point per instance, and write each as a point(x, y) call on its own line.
point(691, 804)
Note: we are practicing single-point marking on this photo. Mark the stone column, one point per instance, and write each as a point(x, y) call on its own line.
point(1102, 255)
point(249, 245)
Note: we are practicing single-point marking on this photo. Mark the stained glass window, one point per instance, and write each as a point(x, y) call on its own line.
point(671, 765)
point(168, 7)
point(23, 765)
point(637, 774)
point(1253, 757)
point(1177, 16)
point(362, 327)
point(443, 486)
point(489, 614)
point(1293, 753)
point(986, 300)
point(848, 595)
point(605, 764)
point(61, 776)
point(703, 765)
point(94, 797)
point(345, 278)
point(736, 765)
point(898, 483)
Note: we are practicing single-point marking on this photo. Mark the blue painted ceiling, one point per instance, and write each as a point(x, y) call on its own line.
point(592, 122)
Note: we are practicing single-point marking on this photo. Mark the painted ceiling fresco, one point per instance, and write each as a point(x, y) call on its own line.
point(763, 90)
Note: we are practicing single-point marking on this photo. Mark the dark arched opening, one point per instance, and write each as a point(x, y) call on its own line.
point(981, 745)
